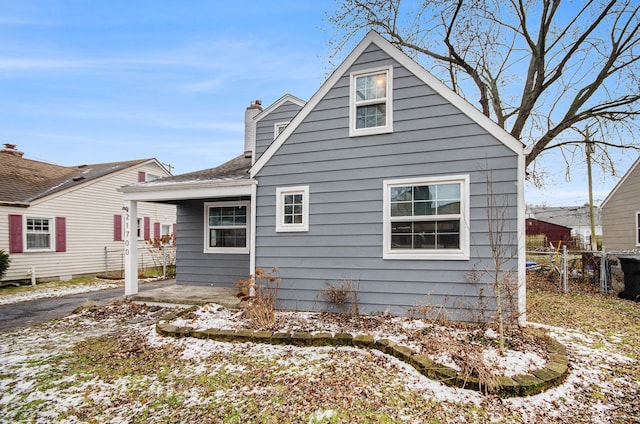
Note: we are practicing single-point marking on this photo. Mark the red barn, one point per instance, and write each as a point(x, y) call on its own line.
point(554, 232)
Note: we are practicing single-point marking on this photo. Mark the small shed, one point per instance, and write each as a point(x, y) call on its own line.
point(554, 232)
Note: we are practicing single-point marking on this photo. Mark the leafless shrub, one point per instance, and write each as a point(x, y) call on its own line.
point(344, 297)
point(260, 293)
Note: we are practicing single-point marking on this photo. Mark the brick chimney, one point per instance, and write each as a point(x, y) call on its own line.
point(250, 128)
point(11, 149)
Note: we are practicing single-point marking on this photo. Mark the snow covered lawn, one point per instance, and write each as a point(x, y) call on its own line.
point(107, 364)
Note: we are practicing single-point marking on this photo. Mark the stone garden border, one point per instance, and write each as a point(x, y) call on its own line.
point(554, 372)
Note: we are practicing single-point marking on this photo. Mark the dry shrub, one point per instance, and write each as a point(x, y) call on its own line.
point(260, 293)
point(345, 297)
point(472, 364)
point(434, 314)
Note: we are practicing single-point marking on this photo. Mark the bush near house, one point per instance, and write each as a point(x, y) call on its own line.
point(4, 262)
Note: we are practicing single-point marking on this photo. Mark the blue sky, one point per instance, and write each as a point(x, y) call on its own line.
point(109, 80)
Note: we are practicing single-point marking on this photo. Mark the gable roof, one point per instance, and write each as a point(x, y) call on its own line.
point(621, 182)
point(23, 181)
point(282, 100)
point(566, 216)
point(438, 86)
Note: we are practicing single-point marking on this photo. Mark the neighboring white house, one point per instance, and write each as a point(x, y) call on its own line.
point(58, 222)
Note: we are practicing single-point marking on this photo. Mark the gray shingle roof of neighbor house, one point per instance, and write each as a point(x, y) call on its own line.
point(24, 180)
point(234, 169)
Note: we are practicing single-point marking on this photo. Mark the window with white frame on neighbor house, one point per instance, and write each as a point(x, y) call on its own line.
point(370, 102)
point(425, 218)
point(39, 231)
point(227, 227)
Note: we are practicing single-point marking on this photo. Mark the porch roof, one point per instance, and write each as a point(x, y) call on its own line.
point(229, 179)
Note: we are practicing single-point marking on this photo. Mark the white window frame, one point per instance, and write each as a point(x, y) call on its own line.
point(52, 234)
point(168, 233)
point(435, 254)
point(637, 227)
point(151, 177)
point(278, 128)
point(226, 250)
point(281, 192)
point(139, 228)
point(354, 103)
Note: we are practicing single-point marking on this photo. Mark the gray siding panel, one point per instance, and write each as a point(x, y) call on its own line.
point(345, 178)
point(196, 267)
point(265, 127)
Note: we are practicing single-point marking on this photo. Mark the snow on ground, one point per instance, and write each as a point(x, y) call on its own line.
point(46, 292)
point(593, 392)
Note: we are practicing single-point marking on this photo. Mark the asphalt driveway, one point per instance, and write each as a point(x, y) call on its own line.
point(23, 314)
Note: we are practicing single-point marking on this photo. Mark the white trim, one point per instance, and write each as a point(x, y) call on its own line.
point(636, 224)
point(130, 249)
point(620, 183)
point(404, 60)
point(52, 234)
point(521, 242)
point(188, 190)
point(282, 100)
point(281, 227)
point(387, 100)
point(227, 250)
point(443, 254)
point(277, 125)
point(252, 246)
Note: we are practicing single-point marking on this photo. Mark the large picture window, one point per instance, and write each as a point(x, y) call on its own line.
point(227, 227)
point(370, 102)
point(39, 231)
point(292, 209)
point(426, 218)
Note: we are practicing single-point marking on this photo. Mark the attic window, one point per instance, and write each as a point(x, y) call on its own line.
point(371, 110)
point(278, 128)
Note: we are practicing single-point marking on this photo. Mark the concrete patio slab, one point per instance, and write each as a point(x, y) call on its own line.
point(189, 295)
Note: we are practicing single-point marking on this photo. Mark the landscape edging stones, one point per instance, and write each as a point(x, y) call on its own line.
point(552, 374)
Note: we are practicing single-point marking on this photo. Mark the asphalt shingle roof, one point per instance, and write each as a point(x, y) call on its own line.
point(24, 180)
point(235, 169)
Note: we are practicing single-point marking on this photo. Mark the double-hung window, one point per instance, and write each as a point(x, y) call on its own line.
point(292, 209)
point(371, 110)
point(38, 234)
point(426, 218)
point(227, 227)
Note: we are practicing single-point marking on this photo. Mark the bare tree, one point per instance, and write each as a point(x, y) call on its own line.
point(537, 67)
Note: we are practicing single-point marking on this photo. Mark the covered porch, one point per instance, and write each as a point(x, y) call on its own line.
point(215, 235)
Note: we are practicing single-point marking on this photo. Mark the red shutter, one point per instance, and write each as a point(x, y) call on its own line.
point(142, 176)
point(61, 234)
point(174, 234)
point(15, 234)
point(156, 230)
point(147, 228)
point(117, 227)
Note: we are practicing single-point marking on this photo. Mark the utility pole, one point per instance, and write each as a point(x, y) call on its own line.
point(589, 150)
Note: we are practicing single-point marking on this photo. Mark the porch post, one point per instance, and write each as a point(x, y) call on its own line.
point(130, 247)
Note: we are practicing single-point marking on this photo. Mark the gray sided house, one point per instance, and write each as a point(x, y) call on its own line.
point(384, 178)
